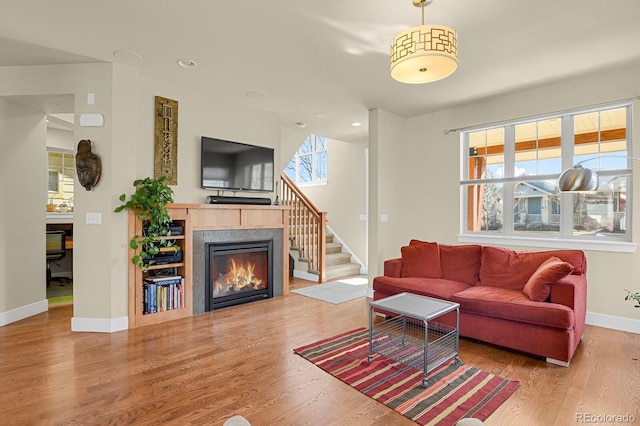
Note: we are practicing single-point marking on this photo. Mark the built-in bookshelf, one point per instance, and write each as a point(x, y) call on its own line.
point(196, 217)
point(162, 292)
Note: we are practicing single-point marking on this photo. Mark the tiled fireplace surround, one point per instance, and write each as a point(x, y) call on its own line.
point(200, 238)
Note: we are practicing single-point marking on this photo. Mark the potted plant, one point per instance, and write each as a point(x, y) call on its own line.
point(633, 296)
point(51, 206)
point(149, 203)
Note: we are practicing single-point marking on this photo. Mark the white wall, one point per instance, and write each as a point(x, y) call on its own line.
point(60, 139)
point(344, 195)
point(200, 115)
point(22, 231)
point(422, 195)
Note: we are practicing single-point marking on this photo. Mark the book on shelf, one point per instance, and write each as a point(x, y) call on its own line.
point(162, 295)
point(163, 279)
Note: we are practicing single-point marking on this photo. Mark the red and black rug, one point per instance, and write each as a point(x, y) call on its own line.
point(454, 391)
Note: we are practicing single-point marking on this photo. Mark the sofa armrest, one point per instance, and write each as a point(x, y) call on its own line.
point(571, 291)
point(393, 268)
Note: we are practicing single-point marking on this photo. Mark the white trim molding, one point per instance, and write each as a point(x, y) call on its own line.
point(550, 243)
point(99, 325)
point(616, 323)
point(23, 312)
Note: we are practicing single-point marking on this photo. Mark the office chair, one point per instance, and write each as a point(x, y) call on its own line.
point(55, 250)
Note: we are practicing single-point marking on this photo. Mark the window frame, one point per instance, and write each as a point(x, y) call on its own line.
point(564, 238)
point(314, 154)
point(68, 163)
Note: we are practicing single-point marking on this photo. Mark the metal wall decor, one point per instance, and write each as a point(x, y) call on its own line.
point(88, 165)
point(166, 140)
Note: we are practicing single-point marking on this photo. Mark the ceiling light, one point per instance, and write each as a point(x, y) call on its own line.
point(321, 115)
point(356, 124)
point(301, 124)
point(187, 63)
point(127, 56)
point(254, 94)
point(424, 54)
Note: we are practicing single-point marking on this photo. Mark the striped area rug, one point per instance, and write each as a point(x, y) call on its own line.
point(454, 391)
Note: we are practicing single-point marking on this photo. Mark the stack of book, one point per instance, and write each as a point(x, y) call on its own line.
point(162, 294)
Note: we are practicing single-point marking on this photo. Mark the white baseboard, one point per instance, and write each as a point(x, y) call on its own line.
point(616, 323)
point(99, 325)
point(23, 312)
point(305, 276)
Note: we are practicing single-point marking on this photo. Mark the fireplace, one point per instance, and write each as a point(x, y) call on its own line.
point(237, 272)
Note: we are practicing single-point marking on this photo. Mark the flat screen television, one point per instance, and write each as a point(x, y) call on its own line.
point(234, 166)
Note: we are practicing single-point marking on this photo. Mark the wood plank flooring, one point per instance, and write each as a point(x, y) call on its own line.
point(239, 360)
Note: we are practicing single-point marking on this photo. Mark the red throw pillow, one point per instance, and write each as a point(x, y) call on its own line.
point(537, 288)
point(461, 263)
point(421, 260)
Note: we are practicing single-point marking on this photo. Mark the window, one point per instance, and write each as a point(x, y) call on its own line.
point(509, 183)
point(61, 178)
point(309, 164)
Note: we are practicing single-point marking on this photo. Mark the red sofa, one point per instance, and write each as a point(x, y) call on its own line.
point(533, 302)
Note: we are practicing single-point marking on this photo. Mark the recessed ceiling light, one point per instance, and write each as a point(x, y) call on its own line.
point(127, 56)
point(321, 115)
point(356, 124)
point(187, 63)
point(254, 94)
point(301, 124)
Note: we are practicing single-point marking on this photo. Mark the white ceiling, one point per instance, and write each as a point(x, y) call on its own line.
point(325, 56)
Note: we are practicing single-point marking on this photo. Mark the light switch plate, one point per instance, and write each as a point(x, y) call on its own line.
point(94, 218)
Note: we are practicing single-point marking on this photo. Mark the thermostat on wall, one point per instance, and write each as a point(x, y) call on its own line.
point(91, 120)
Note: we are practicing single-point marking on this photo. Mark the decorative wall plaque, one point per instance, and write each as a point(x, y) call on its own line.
point(166, 140)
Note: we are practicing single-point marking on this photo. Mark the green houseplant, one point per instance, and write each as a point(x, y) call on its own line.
point(149, 203)
point(633, 296)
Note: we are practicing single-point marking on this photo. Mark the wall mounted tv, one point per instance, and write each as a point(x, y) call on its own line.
point(235, 166)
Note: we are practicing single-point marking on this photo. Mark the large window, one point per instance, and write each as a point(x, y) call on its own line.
point(509, 179)
point(309, 164)
point(61, 178)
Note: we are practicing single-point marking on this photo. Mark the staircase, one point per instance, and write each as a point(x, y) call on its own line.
point(338, 263)
point(309, 238)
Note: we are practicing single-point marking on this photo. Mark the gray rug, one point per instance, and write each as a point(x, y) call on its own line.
point(334, 292)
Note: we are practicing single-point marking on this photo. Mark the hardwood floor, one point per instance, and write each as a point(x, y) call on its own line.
point(239, 360)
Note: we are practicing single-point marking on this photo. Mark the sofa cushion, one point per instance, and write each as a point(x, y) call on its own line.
point(537, 287)
point(421, 260)
point(513, 305)
point(461, 263)
point(511, 269)
point(433, 287)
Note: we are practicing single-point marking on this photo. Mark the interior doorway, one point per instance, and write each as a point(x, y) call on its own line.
point(57, 195)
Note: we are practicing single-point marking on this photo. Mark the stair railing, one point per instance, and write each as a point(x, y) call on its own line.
point(307, 227)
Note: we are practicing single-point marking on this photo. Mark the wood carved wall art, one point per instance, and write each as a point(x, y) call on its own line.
point(166, 140)
point(88, 165)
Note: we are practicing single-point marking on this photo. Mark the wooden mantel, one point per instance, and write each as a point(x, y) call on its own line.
point(204, 217)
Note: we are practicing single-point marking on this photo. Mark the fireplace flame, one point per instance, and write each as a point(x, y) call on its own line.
point(239, 277)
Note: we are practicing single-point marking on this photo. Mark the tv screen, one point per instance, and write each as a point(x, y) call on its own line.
point(235, 166)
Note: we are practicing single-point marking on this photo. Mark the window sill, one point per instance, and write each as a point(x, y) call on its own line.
point(60, 215)
point(553, 243)
point(308, 184)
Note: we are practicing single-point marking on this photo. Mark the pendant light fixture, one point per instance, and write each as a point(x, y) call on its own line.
point(424, 54)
